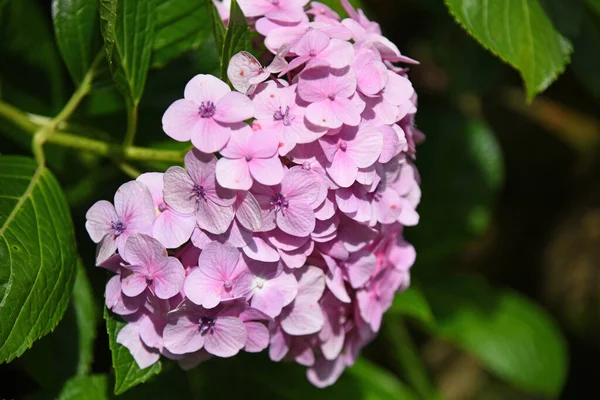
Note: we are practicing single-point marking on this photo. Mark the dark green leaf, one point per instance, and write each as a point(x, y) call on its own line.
point(86, 313)
point(75, 27)
point(107, 9)
point(586, 60)
point(377, 383)
point(37, 254)
point(127, 372)
point(520, 33)
point(237, 37)
point(92, 387)
point(218, 27)
point(181, 25)
point(336, 5)
point(134, 38)
point(412, 303)
point(508, 334)
point(70, 348)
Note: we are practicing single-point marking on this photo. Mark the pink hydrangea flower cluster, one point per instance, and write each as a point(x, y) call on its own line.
point(283, 233)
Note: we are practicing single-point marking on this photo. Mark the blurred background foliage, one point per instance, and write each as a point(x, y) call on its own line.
point(505, 296)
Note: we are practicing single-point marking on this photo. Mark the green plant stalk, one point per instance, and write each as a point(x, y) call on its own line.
point(132, 122)
point(408, 359)
point(69, 140)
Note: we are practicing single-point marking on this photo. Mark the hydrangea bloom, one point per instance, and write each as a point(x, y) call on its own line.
point(291, 237)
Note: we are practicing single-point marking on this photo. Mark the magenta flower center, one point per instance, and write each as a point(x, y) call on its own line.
point(275, 2)
point(312, 53)
point(206, 325)
point(162, 207)
point(331, 97)
point(198, 192)
point(118, 226)
point(283, 116)
point(227, 285)
point(279, 202)
point(343, 145)
point(306, 165)
point(207, 109)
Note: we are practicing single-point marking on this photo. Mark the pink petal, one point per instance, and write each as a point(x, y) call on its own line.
point(268, 300)
point(234, 107)
point(182, 336)
point(260, 250)
point(267, 171)
point(311, 284)
point(178, 186)
point(343, 169)
point(210, 136)
point(335, 283)
point(366, 147)
point(129, 337)
point(134, 205)
point(323, 114)
point(134, 284)
point(237, 147)
point(202, 289)
point(313, 41)
point(338, 54)
point(168, 281)
point(219, 260)
point(99, 219)
point(298, 220)
point(325, 373)
point(227, 339)
point(173, 229)
point(301, 186)
point(302, 318)
point(181, 119)
point(234, 173)
point(214, 218)
point(280, 344)
point(247, 211)
point(361, 269)
point(145, 251)
point(205, 88)
point(258, 337)
point(263, 145)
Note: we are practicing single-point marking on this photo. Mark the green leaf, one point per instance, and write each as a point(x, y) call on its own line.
point(181, 26)
point(91, 387)
point(70, 348)
point(37, 254)
point(377, 383)
point(219, 30)
point(127, 372)
point(586, 60)
point(133, 41)
point(86, 313)
point(413, 304)
point(336, 5)
point(511, 336)
point(520, 33)
point(237, 37)
point(75, 27)
point(107, 9)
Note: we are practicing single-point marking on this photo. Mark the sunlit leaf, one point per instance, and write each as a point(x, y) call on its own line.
point(520, 33)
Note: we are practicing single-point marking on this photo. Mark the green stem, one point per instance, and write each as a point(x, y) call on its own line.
point(132, 121)
point(408, 359)
point(69, 140)
point(82, 90)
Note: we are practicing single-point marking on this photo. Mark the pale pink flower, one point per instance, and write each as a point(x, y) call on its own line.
point(371, 73)
point(316, 48)
point(290, 205)
point(219, 267)
point(319, 9)
point(277, 110)
point(267, 287)
point(329, 92)
point(111, 226)
point(207, 113)
point(196, 190)
point(279, 10)
point(170, 228)
point(351, 149)
point(151, 268)
point(245, 72)
point(129, 336)
point(304, 315)
point(247, 157)
point(193, 328)
point(377, 296)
